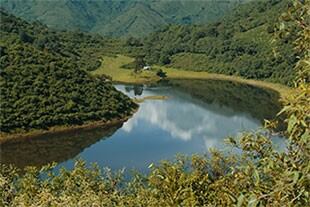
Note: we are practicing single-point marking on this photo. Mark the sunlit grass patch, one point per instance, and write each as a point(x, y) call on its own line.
point(112, 66)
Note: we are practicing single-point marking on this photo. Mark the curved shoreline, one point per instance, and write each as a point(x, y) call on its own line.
point(13, 137)
point(119, 75)
point(192, 75)
point(283, 90)
point(173, 74)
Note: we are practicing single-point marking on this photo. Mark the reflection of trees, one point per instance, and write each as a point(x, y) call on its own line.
point(128, 88)
point(137, 89)
point(260, 103)
point(56, 147)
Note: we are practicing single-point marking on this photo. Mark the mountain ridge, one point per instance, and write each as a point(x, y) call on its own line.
point(111, 18)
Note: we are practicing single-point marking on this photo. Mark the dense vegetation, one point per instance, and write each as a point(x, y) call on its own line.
point(241, 44)
point(118, 18)
point(260, 176)
point(44, 81)
point(238, 42)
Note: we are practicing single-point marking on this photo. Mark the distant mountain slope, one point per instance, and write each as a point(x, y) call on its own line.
point(136, 21)
point(118, 18)
point(43, 79)
point(244, 43)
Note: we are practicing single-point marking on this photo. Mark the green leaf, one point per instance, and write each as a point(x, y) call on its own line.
point(151, 165)
point(295, 177)
point(285, 108)
point(291, 123)
point(252, 201)
point(240, 200)
point(256, 176)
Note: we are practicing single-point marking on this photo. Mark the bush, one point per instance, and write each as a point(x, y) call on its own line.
point(161, 73)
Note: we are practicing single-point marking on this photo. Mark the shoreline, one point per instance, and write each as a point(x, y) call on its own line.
point(158, 97)
point(14, 137)
point(113, 68)
point(283, 90)
point(172, 74)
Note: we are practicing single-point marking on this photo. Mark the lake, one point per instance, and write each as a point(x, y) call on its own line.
point(196, 116)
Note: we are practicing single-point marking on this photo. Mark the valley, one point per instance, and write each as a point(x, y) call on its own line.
point(186, 121)
point(118, 18)
point(112, 67)
point(66, 81)
point(154, 103)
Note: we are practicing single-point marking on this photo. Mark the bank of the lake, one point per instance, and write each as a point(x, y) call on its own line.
point(112, 67)
point(186, 122)
point(140, 100)
point(173, 73)
point(11, 137)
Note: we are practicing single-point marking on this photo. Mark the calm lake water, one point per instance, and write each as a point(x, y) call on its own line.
point(196, 115)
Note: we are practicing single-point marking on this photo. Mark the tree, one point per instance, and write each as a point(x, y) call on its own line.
point(24, 37)
point(161, 73)
point(2, 51)
point(139, 63)
point(134, 42)
point(164, 59)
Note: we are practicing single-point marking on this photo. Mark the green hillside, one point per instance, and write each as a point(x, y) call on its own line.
point(244, 43)
point(118, 18)
point(43, 78)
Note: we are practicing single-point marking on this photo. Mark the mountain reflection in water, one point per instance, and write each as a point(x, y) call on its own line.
point(196, 116)
point(185, 120)
point(57, 147)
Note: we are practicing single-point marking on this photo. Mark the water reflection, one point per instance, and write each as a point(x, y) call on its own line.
point(258, 102)
point(185, 118)
point(196, 116)
point(137, 89)
point(57, 147)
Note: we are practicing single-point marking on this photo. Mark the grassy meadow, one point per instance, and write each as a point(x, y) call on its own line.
point(112, 66)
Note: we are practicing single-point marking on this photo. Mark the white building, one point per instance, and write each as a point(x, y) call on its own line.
point(147, 67)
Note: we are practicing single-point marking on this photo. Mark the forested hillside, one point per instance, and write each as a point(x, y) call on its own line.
point(244, 43)
point(43, 78)
point(118, 18)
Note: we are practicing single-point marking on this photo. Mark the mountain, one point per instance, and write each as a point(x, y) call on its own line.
point(118, 18)
point(243, 43)
point(44, 80)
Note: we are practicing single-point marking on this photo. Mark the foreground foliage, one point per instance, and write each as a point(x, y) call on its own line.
point(260, 176)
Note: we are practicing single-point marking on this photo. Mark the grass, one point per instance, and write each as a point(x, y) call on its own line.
point(111, 66)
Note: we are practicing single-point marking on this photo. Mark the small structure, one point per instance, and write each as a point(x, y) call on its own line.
point(147, 67)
